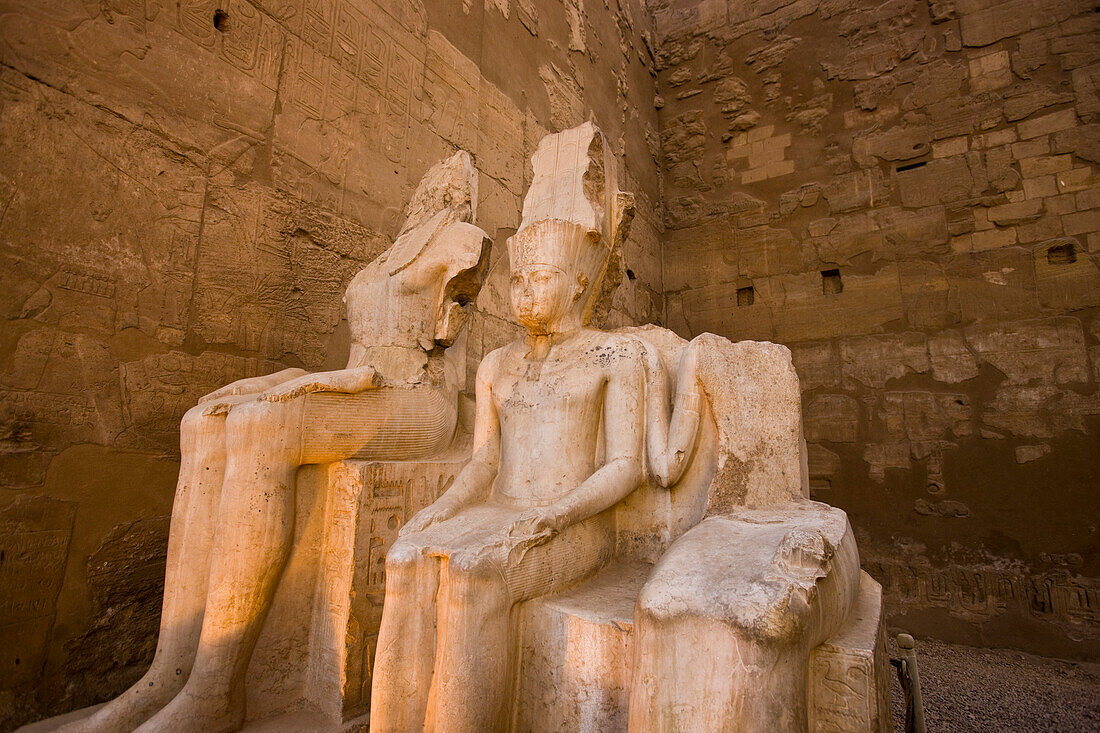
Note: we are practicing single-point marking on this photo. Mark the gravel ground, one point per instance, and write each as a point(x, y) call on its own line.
point(967, 689)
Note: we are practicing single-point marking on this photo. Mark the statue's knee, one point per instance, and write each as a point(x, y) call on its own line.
point(249, 416)
point(404, 563)
point(257, 420)
point(665, 596)
point(195, 420)
point(403, 557)
point(668, 604)
point(470, 565)
point(475, 579)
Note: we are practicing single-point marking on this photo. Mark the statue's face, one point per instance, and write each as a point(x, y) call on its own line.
point(547, 278)
point(541, 297)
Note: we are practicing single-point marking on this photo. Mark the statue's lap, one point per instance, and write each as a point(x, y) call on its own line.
point(475, 540)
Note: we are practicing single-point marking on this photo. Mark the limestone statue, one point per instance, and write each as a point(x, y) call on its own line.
point(630, 545)
point(233, 517)
point(528, 515)
point(628, 470)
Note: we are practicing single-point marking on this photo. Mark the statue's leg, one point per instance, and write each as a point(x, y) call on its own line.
point(202, 468)
point(474, 654)
point(478, 589)
point(726, 623)
point(254, 528)
point(405, 651)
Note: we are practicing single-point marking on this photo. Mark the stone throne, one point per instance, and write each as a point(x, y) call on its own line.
point(731, 553)
point(312, 665)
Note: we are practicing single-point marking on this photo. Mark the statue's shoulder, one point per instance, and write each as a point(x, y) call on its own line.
point(492, 361)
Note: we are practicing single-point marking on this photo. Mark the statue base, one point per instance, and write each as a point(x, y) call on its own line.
point(577, 655)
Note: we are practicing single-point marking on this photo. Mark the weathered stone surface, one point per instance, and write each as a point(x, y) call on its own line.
point(950, 358)
point(897, 143)
point(926, 416)
point(1038, 411)
point(34, 541)
point(1048, 351)
point(951, 183)
point(872, 361)
point(817, 364)
point(185, 199)
point(833, 418)
point(126, 580)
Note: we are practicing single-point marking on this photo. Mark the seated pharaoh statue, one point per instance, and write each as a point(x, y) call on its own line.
point(528, 515)
point(631, 545)
point(234, 513)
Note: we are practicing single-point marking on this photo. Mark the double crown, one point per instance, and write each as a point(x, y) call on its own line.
point(573, 214)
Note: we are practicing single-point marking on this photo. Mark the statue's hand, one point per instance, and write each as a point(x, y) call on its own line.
point(345, 381)
point(251, 385)
point(426, 517)
point(534, 527)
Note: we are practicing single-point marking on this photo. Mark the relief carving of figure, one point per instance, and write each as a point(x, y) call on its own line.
point(233, 516)
point(558, 441)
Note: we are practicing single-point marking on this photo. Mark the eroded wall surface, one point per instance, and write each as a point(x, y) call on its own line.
point(904, 192)
point(185, 190)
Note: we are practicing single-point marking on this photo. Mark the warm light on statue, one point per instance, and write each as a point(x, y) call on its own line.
point(528, 515)
point(234, 513)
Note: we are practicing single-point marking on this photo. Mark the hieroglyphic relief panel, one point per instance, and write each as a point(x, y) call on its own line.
point(849, 688)
point(247, 38)
point(132, 55)
point(158, 388)
point(271, 273)
point(359, 85)
point(34, 547)
point(980, 593)
point(50, 400)
point(393, 492)
point(843, 694)
point(367, 503)
point(118, 253)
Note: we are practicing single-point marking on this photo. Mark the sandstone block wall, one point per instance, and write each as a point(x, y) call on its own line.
point(185, 190)
point(906, 194)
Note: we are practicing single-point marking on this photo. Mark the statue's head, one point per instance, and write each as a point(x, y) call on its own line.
point(449, 186)
point(574, 218)
point(439, 217)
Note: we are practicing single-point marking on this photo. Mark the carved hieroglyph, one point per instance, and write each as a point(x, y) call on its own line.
point(234, 514)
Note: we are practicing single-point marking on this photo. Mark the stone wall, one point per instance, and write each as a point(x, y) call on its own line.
point(904, 193)
point(186, 189)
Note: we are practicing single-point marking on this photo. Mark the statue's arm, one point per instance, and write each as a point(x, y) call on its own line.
point(670, 440)
point(342, 381)
point(252, 385)
point(473, 482)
